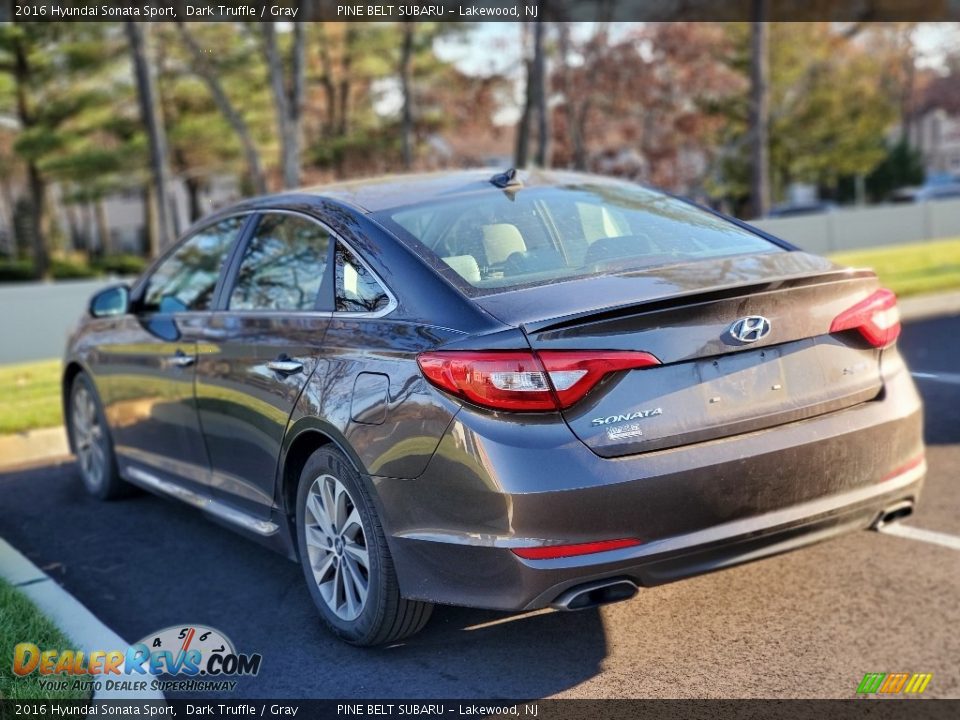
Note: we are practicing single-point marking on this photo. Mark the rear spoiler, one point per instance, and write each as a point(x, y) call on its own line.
point(700, 295)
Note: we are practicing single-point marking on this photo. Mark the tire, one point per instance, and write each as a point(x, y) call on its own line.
point(339, 544)
point(92, 442)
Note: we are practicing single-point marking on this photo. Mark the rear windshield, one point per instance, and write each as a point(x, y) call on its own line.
point(502, 240)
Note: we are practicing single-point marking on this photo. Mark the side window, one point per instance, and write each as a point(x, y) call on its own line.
point(187, 278)
point(357, 289)
point(283, 265)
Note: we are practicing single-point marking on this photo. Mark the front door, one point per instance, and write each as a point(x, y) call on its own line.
point(146, 379)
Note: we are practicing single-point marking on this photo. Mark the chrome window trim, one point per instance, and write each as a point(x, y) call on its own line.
point(391, 305)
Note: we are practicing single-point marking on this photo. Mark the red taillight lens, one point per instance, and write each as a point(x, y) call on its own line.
point(574, 374)
point(548, 552)
point(525, 381)
point(877, 318)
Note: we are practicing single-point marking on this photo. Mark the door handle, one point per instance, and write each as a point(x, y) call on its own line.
point(181, 359)
point(285, 365)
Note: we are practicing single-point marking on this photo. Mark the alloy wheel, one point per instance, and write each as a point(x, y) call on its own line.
point(88, 438)
point(337, 547)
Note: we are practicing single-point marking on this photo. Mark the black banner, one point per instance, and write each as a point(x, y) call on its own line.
point(480, 10)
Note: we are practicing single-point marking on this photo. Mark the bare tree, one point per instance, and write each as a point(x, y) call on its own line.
point(149, 111)
point(210, 78)
point(406, 122)
point(346, 78)
point(534, 104)
point(522, 154)
point(287, 101)
point(542, 156)
point(759, 111)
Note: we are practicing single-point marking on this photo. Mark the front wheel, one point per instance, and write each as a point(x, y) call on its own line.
point(92, 442)
point(345, 559)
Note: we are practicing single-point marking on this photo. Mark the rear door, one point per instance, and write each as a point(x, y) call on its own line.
point(258, 350)
point(146, 376)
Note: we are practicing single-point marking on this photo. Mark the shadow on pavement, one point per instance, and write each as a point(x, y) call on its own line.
point(145, 563)
point(932, 347)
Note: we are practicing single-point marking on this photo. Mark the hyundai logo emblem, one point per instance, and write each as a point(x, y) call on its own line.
point(750, 329)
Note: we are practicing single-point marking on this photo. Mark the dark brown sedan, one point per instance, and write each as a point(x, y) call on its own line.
point(511, 392)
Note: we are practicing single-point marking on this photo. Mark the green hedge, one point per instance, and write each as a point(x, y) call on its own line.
point(22, 270)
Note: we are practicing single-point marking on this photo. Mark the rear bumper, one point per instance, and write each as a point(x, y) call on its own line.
point(494, 485)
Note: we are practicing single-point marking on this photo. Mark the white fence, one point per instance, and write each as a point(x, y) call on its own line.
point(857, 228)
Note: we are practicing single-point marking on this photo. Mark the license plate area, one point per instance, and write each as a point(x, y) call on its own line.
point(746, 384)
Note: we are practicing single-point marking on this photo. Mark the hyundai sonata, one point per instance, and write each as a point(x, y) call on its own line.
point(512, 392)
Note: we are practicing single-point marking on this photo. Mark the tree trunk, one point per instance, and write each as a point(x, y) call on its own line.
point(38, 202)
point(542, 157)
point(329, 87)
point(523, 127)
point(149, 111)
point(579, 133)
point(275, 74)
point(406, 122)
point(345, 81)
point(193, 187)
point(210, 78)
point(298, 66)
point(36, 184)
point(103, 228)
point(759, 118)
point(288, 107)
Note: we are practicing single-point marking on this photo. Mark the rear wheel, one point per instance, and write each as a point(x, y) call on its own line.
point(92, 442)
point(345, 559)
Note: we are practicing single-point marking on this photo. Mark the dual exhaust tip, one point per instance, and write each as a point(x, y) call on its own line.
point(897, 511)
point(595, 594)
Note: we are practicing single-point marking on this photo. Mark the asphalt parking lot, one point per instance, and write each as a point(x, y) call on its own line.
point(805, 624)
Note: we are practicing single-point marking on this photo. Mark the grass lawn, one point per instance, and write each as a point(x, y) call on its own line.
point(30, 396)
point(20, 621)
point(911, 269)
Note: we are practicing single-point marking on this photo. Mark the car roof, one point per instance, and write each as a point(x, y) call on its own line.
point(390, 191)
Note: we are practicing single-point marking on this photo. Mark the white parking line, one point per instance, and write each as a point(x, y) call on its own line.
point(915, 533)
point(952, 378)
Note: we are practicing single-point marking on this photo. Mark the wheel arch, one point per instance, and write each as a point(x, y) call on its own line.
point(305, 437)
point(70, 371)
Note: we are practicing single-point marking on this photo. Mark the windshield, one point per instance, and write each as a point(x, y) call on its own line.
point(502, 240)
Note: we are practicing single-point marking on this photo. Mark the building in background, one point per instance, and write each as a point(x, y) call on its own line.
point(935, 128)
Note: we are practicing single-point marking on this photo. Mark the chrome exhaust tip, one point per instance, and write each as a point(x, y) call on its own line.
point(897, 511)
point(595, 594)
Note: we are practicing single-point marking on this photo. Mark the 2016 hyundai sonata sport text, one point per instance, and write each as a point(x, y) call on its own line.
point(512, 392)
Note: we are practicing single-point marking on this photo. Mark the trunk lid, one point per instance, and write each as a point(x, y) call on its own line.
point(710, 384)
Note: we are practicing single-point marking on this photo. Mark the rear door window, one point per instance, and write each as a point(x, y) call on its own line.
point(358, 291)
point(283, 265)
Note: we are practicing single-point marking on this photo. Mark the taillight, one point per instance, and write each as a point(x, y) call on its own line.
point(549, 552)
point(877, 318)
point(525, 381)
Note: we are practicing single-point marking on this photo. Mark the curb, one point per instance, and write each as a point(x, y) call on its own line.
point(32, 447)
point(926, 307)
point(66, 612)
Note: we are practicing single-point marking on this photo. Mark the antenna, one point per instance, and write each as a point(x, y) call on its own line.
point(508, 179)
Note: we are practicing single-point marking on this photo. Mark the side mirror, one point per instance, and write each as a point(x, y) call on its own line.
point(110, 301)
